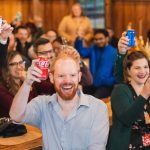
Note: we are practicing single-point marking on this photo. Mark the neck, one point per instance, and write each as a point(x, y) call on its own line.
point(68, 105)
point(137, 87)
point(17, 81)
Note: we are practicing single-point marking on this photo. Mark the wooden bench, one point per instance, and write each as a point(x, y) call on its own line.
point(32, 140)
point(108, 103)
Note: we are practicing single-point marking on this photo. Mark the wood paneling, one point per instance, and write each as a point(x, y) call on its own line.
point(131, 11)
point(118, 12)
point(9, 8)
point(54, 11)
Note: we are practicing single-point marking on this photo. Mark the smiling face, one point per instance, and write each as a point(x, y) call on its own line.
point(66, 77)
point(16, 67)
point(46, 50)
point(101, 40)
point(22, 35)
point(139, 71)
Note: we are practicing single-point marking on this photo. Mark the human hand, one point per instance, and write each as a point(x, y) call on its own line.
point(80, 32)
point(146, 89)
point(23, 75)
point(123, 44)
point(33, 73)
point(6, 30)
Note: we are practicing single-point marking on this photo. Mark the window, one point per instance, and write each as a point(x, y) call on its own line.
point(94, 9)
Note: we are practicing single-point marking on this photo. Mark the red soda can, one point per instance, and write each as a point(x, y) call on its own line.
point(43, 65)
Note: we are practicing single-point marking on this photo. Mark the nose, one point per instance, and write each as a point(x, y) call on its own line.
point(67, 78)
point(49, 54)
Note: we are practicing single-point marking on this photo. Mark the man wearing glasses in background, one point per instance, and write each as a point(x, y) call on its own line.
point(102, 60)
point(43, 47)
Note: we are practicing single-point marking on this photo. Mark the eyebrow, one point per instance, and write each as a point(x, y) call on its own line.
point(50, 50)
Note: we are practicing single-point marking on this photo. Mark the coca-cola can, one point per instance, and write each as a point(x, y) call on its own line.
point(43, 65)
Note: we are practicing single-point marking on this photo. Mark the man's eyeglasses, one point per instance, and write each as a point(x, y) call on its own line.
point(22, 62)
point(45, 52)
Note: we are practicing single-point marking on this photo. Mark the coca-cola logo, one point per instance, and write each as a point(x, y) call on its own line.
point(43, 64)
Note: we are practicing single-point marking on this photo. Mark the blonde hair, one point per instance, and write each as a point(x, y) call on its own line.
point(67, 52)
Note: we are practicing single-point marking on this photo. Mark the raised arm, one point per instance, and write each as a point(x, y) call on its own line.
point(21, 98)
point(6, 30)
point(122, 51)
point(123, 44)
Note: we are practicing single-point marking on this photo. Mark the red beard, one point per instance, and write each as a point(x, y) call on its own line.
point(66, 93)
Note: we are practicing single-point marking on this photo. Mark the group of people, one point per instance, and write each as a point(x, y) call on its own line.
point(68, 116)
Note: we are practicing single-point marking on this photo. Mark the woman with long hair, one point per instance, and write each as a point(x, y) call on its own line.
point(13, 76)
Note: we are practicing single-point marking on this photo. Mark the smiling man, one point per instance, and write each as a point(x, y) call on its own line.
point(69, 119)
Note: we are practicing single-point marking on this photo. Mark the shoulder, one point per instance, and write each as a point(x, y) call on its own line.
point(86, 18)
point(3, 87)
point(95, 103)
point(121, 89)
point(121, 86)
point(68, 17)
point(43, 100)
point(114, 50)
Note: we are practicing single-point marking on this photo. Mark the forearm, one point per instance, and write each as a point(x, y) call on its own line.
point(118, 70)
point(19, 104)
point(83, 51)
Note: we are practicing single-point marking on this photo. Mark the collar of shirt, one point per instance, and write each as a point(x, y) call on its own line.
point(83, 104)
point(83, 101)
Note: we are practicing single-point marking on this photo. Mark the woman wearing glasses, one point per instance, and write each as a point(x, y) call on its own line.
point(12, 77)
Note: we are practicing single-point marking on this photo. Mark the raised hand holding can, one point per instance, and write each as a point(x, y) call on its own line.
point(131, 36)
point(43, 65)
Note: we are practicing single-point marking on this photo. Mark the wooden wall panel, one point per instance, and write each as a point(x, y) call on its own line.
point(135, 12)
point(54, 11)
point(9, 8)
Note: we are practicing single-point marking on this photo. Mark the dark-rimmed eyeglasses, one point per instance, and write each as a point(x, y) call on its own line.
point(46, 52)
point(22, 62)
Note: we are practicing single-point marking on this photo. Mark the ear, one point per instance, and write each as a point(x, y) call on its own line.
point(51, 77)
point(80, 75)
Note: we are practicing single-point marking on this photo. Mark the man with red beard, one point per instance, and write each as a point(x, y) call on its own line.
point(69, 119)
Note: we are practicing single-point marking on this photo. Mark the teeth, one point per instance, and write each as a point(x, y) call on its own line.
point(67, 87)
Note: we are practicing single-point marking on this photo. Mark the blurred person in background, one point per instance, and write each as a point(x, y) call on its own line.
point(76, 24)
point(57, 45)
point(17, 20)
point(102, 58)
point(22, 43)
point(43, 47)
point(32, 31)
point(51, 35)
point(112, 39)
point(38, 21)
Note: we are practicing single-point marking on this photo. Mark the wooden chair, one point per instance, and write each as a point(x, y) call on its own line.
point(108, 103)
